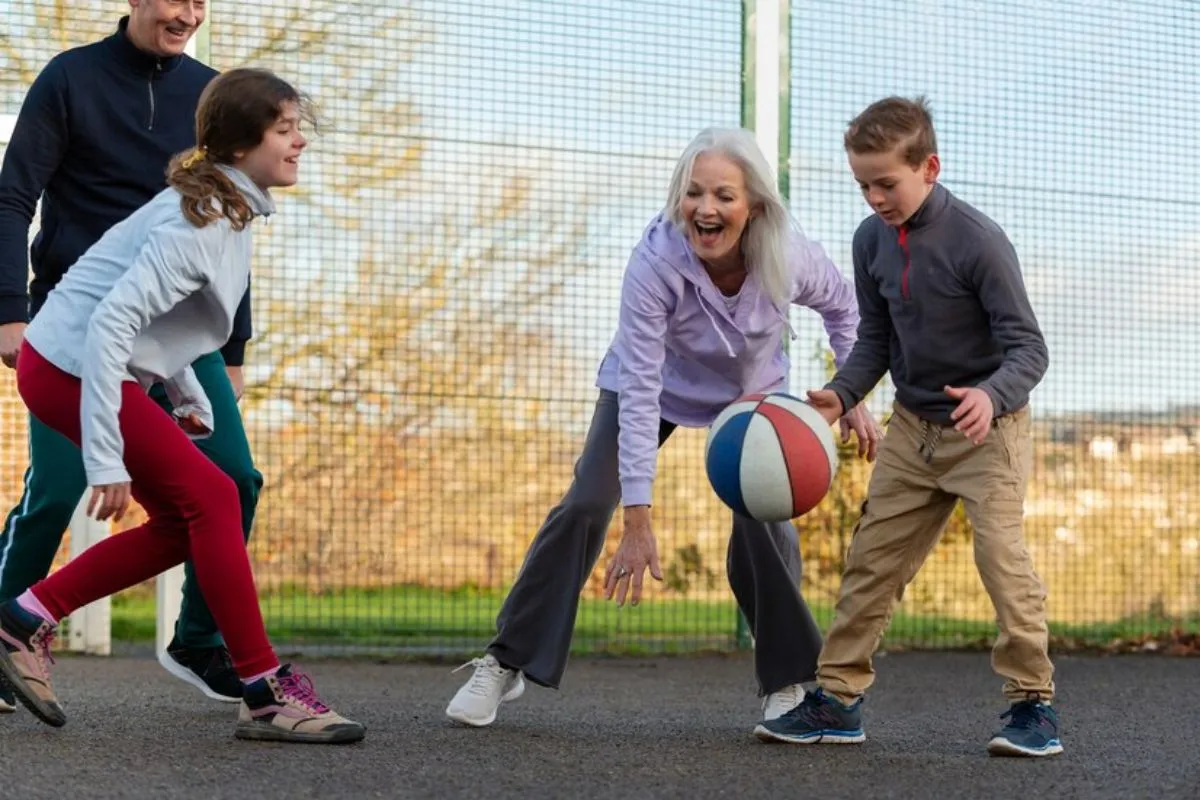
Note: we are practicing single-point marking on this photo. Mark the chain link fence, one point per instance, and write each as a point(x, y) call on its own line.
point(432, 301)
point(1043, 114)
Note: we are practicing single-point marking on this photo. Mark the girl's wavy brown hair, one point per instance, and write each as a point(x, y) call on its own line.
point(236, 109)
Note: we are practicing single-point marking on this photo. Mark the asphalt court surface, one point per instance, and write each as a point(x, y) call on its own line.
point(620, 728)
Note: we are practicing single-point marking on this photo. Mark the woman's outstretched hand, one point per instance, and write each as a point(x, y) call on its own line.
point(637, 552)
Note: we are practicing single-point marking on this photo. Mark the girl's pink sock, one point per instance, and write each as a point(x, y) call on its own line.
point(259, 676)
point(28, 601)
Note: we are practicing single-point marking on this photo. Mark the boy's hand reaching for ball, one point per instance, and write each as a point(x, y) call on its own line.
point(973, 416)
point(827, 403)
point(858, 419)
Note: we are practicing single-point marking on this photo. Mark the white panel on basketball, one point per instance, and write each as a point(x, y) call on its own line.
point(766, 490)
point(729, 411)
point(814, 420)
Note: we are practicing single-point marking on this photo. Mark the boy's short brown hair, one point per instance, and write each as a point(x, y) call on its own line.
point(893, 122)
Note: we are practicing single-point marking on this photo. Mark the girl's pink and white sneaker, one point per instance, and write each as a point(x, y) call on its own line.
point(25, 660)
point(284, 707)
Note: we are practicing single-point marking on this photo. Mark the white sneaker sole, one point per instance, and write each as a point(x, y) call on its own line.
point(6, 708)
point(187, 676)
point(1003, 747)
point(459, 715)
point(821, 737)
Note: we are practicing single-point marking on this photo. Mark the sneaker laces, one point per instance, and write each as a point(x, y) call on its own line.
point(488, 674)
point(789, 697)
point(1026, 714)
point(815, 710)
point(40, 643)
point(299, 687)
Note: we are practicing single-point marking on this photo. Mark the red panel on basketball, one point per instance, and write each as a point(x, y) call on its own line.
point(808, 463)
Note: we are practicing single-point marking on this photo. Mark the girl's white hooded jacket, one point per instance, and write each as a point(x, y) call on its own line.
point(150, 297)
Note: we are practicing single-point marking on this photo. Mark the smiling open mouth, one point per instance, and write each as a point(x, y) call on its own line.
point(708, 232)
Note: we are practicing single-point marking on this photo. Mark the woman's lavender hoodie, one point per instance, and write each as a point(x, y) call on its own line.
point(679, 355)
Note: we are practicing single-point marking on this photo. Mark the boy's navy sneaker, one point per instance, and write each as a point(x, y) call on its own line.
point(8, 703)
point(1032, 730)
point(819, 719)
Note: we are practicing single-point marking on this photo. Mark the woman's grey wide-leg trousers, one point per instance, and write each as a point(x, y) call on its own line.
point(535, 624)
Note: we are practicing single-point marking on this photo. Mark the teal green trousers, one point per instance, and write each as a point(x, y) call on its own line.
point(55, 481)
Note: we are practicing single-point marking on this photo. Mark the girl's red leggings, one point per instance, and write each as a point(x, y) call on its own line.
point(193, 508)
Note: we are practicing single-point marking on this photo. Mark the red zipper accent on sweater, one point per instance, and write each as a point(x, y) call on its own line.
point(904, 291)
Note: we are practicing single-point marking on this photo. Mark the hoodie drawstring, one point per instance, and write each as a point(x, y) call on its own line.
point(783, 316)
point(713, 320)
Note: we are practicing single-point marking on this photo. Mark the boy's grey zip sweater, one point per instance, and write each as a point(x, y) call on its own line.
point(942, 303)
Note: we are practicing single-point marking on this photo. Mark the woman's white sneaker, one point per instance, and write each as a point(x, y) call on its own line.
point(776, 704)
point(490, 685)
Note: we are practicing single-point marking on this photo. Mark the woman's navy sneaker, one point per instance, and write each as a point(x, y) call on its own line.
point(1032, 730)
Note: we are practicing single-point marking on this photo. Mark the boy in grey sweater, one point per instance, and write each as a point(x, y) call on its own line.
point(944, 309)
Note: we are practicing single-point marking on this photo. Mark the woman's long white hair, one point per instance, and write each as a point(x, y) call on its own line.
point(765, 240)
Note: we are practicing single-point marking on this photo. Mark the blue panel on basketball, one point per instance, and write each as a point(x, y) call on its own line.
point(770, 457)
point(723, 460)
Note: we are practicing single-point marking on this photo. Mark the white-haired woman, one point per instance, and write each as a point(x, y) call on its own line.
point(704, 307)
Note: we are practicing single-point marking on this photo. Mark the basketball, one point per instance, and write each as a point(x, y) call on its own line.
point(770, 457)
